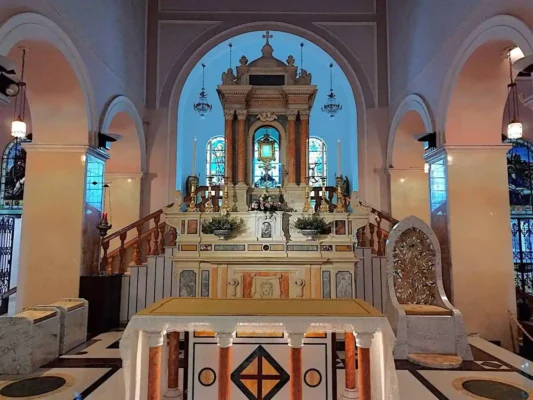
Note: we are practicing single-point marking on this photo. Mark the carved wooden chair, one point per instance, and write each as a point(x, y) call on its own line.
point(424, 320)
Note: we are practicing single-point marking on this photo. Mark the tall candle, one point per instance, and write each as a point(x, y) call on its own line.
point(338, 158)
point(194, 158)
point(306, 161)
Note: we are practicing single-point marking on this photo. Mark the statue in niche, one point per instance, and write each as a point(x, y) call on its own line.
point(304, 78)
point(243, 61)
point(266, 230)
point(290, 61)
point(228, 77)
point(233, 283)
point(299, 283)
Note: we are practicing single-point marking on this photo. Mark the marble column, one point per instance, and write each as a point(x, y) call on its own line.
point(224, 341)
point(241, 146)
point(155, 343)
point(304, 137)
point(475, 235)
point(173, 391)
point(363, 342)
point(228, 137)
point(291, 154)
point(350, 391)
point(296, 342)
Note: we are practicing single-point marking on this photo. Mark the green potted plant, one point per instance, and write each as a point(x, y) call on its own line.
point(311, 226)
point(221, 225)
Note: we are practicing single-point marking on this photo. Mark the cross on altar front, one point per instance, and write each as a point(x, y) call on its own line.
point(260, 377)
point(267, 36)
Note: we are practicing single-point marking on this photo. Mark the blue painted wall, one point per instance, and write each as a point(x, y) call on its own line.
point(316, 61)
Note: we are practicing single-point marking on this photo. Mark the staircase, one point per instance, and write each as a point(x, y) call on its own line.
point(143, 253)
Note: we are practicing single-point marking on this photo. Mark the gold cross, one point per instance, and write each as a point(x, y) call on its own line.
point(267, 36)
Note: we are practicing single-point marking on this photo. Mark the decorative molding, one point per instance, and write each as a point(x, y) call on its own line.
point(267, 116)
point(155, 339)
point(229, 114)
point(364, 340)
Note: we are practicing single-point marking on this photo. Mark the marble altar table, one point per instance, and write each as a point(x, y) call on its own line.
point(150, 367)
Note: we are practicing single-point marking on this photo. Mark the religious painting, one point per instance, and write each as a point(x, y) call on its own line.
point(192, 226)
point(266, 230)
point(187, 286)
point(13, 175)
point(340, 227)
point(344, 285)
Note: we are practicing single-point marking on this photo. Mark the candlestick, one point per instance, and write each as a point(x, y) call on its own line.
point(338, 158)
point(194, 158)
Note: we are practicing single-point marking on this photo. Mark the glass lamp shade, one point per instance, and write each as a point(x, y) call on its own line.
point(514, 130)
point(18, 129)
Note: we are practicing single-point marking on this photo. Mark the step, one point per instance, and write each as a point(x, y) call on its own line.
point(439, 361)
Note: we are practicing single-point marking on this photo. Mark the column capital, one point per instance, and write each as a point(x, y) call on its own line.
point(155, 339)
point(241, 114)
point(296, 340)
point(292, 114)
point(229, 114)
point(364, 340)
point(224, 339)
point(304, 114)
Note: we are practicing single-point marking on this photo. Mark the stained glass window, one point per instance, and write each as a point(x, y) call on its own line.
point(215, 166)
point(272, 177)
point(520, 176)
point(13, 176)
point(94, 182)
point(317, 161)
point(437, 184)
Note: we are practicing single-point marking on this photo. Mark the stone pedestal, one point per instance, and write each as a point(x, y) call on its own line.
point(239, 200)
point(295, 196)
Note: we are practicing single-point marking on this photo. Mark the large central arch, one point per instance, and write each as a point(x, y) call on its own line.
point(173, 85)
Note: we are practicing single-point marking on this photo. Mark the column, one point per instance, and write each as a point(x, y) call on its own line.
point(477, 220)
point(241, 146)
point(364, 341)
point(304, 137)
point(155, 343)
point(224, 341)
point(59, 240)
point(296, 342)
point(173, 391)
point(350, 391)
point(228, 137)
point(291, 154)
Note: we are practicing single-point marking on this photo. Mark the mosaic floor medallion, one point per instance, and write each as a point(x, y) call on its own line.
point(260, 377)
point(492, 389)
point(36, 387)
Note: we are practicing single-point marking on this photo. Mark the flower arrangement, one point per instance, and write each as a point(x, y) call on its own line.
point(312, 223)
point(265, 204)
point(221, 223)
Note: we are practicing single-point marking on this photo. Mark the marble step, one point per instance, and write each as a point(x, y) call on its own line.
point(440, 361)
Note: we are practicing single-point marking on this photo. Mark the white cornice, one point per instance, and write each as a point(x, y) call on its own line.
point(65, 148)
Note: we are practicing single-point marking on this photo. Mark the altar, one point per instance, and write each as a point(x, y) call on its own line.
point(257, 349)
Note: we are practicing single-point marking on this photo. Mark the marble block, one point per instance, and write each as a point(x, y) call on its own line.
point(29, 340)
point(73, 316)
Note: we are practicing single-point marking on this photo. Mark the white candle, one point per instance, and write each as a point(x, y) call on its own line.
point(194, 158)
point(338, 158)
point(306, 161)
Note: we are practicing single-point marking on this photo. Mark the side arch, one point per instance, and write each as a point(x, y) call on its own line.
point(500, 27)
point(123, 104)
point(33, 26)
point(413, 102)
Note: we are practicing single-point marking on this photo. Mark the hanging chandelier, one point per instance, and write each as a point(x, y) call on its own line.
point(203, 107)
point(514, 128)
point(18, 126)
point(331, 107)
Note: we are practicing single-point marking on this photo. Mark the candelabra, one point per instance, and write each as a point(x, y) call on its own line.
point(225, 199)
point(192, 202)
point(340, 197)
point(307, 204)
point(323, 206)
point(209, 203)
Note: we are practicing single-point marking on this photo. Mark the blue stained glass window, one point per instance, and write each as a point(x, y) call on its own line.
point(520, 176)
point(215, 156)
point(13, 176)
point(273, 177)
point(94, 182)
point(437, 184)
point(317, 161)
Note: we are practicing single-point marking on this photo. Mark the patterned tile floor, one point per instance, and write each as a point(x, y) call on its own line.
point(93, 371)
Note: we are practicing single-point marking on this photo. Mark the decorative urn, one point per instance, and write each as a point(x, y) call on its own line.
point(222, 233)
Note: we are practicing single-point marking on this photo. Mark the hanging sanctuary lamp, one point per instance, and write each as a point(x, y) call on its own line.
point(514, 128)
point(203, 106)
point(332, 107)
point(18, 126)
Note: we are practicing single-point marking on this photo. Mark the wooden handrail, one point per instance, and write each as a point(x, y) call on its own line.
point(134, 225)
point(130, 243)
point(9, 293)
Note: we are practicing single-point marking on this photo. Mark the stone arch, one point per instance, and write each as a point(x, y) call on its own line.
point(499, 29)
point(33, 26)
point(121, 104)
point(173, 84)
